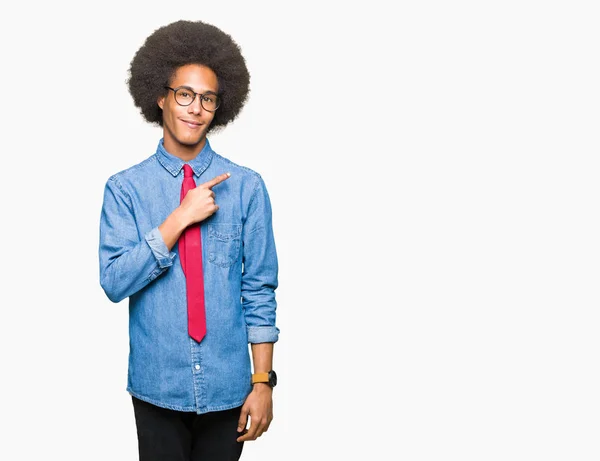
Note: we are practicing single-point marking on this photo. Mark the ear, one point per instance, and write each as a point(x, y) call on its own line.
point(160, 101)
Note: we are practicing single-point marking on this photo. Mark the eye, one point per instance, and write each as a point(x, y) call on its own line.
point(209, 98)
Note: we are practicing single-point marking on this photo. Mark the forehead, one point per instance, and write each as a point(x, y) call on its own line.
point(197, 77)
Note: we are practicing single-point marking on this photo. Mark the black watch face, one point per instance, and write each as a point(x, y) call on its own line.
point(272, 378)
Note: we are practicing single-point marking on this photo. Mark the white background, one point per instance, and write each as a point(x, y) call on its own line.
point(434, 177)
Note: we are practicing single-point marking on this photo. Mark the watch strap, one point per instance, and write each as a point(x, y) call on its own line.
point(260, 378)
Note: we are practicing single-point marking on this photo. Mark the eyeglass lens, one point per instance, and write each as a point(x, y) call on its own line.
point(185, 97)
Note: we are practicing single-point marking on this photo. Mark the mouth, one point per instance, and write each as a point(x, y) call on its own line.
point(194, 125)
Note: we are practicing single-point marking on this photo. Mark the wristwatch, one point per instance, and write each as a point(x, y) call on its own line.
point(269, 377)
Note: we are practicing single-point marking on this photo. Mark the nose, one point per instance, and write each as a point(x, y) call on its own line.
point(195, 107)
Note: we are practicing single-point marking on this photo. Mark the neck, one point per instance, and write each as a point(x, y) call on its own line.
point(183, 151)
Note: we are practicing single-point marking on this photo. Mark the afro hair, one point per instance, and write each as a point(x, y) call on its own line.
point(188, 42)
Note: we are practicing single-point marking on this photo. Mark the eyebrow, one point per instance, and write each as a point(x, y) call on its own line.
point(198, 92)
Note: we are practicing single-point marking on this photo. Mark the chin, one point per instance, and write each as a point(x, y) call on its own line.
point(191, 141)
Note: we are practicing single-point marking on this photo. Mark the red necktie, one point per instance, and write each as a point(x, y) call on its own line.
point(190, 253)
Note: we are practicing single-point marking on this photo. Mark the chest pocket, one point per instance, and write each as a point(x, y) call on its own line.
point(224, 243)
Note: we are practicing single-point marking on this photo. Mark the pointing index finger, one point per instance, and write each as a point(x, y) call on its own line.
point(216, 180)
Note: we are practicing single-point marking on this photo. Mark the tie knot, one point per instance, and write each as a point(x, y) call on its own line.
point(187, 171)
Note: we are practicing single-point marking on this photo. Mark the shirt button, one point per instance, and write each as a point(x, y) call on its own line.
point(197, 367)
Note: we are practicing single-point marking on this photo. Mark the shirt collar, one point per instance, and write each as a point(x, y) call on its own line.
point(174, 164)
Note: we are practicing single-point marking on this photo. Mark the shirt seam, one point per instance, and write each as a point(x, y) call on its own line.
point(254, 194)
point(115, 180)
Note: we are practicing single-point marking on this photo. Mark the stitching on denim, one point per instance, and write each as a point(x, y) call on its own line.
point(128, 200)
point(245, 168)
point(218, 239)
point(254, 194)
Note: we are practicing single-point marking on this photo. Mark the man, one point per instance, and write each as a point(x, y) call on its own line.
point(187, 236)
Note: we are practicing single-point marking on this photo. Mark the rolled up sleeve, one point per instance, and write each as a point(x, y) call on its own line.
point(127, 263)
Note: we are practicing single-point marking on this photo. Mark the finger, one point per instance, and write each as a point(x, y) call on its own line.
point(259, 432)
point(242, 420)
point(252, 431)
point(245, 435)
point(216, 180)
point(264, 427)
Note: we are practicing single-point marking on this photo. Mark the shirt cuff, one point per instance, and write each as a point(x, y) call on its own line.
point(164, 258)
point(263, 334)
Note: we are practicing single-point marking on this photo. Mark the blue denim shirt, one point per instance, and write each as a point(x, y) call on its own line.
point(167, 367)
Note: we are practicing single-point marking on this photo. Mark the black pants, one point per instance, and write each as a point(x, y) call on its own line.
point(169, 435)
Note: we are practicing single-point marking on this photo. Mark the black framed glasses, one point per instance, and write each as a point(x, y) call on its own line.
point(184, 96)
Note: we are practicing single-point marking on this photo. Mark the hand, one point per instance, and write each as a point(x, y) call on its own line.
point(199, 203)
point(259, 406)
